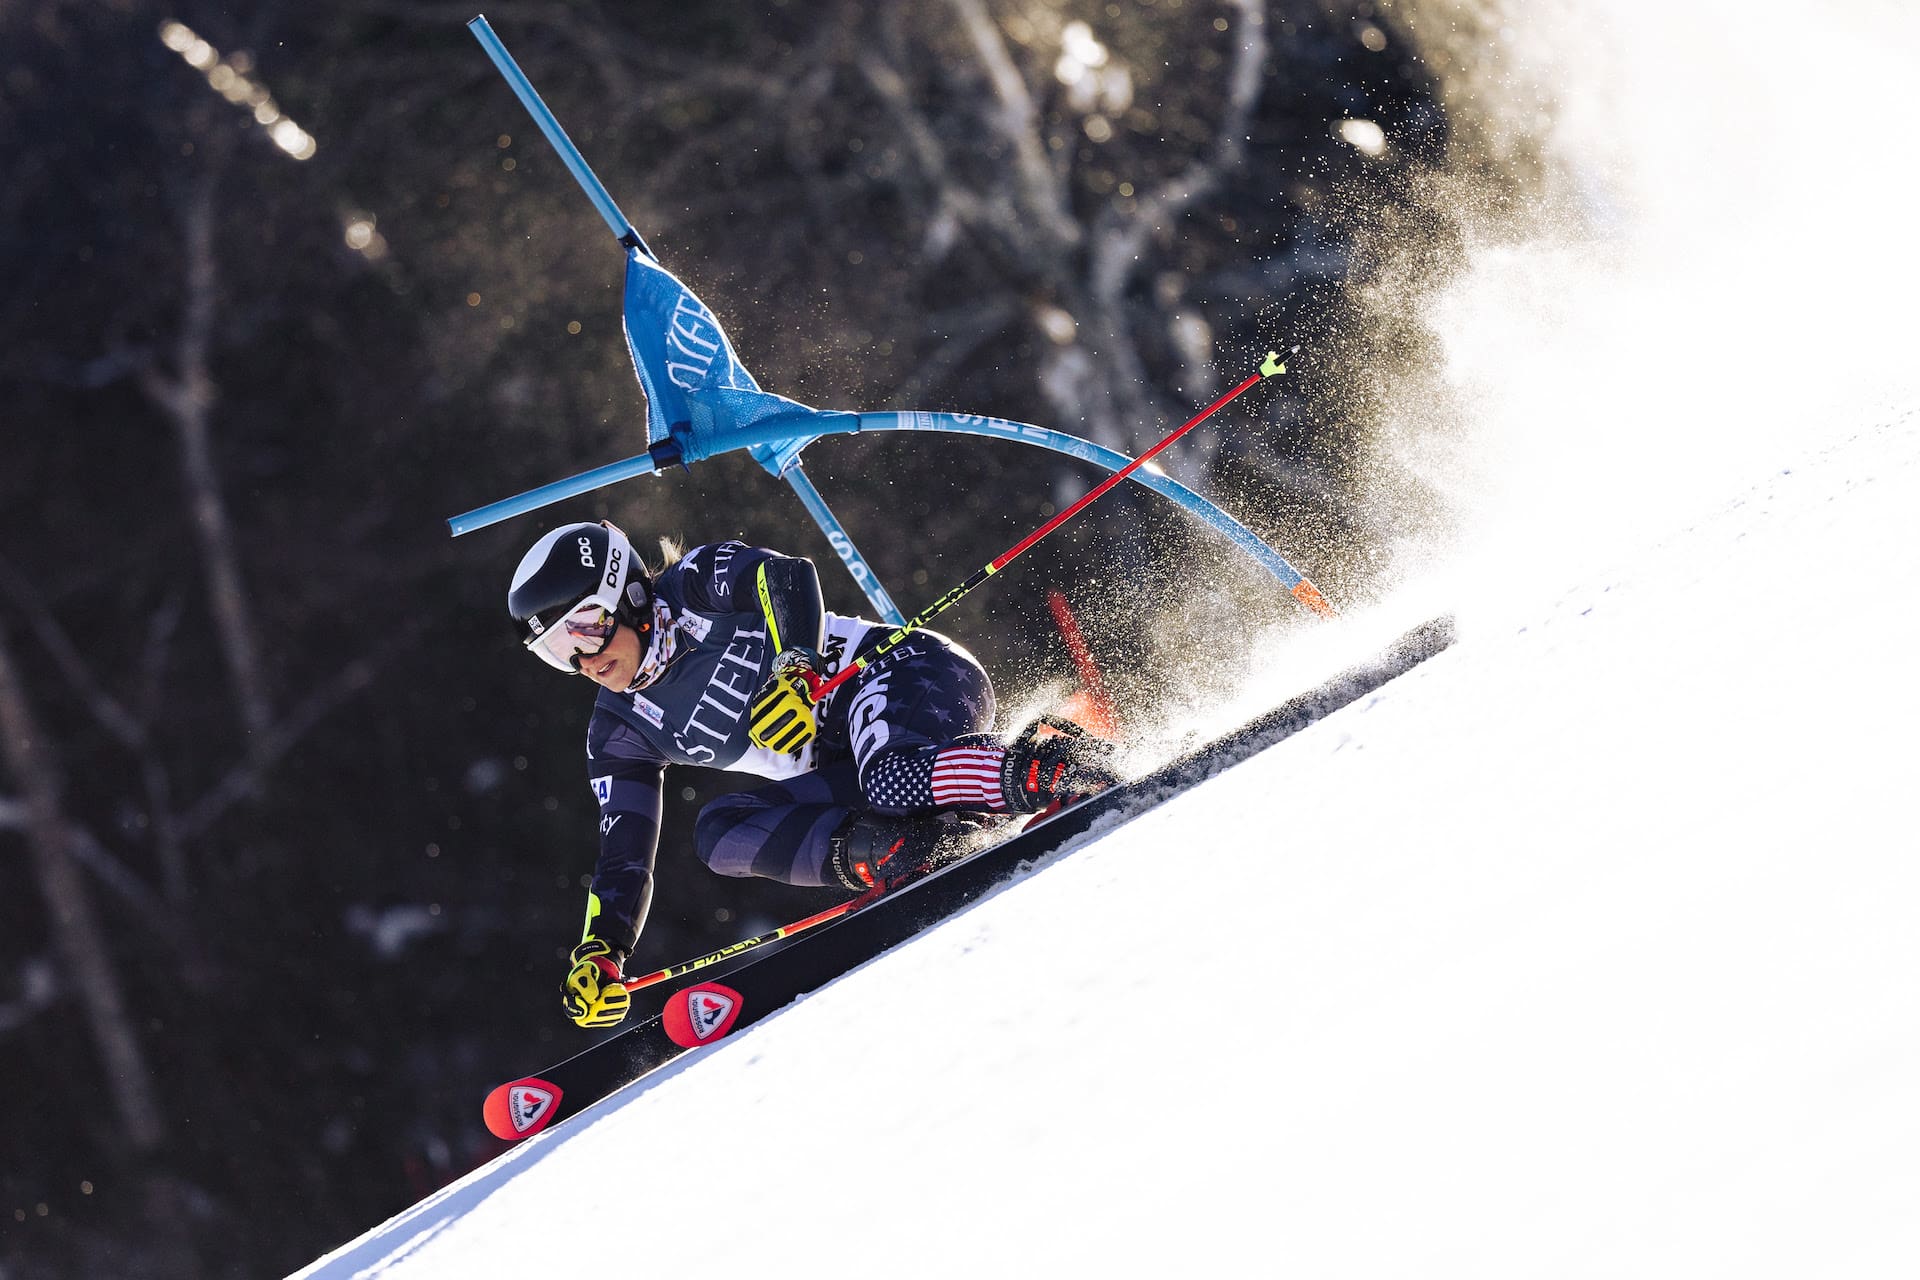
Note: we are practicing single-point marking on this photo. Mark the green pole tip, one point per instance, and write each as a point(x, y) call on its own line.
point(1272, 366)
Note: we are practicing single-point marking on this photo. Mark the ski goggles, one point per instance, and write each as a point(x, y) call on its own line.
point(583, 631)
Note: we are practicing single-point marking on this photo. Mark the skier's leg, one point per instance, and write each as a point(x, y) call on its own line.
point(918, 734)
point(917, 725)
point(929, 696)
point(927, 768)
point(780, 832)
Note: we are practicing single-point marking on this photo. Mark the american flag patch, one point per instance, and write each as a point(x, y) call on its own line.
point(969, 777)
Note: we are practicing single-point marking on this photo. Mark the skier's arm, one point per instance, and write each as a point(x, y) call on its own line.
point(629, 789)
point(623, 873)
point(788, 593)
point(781, 716)
point(782, 593)
point(627, 781)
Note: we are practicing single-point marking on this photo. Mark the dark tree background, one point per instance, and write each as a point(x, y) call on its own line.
point(292, 833)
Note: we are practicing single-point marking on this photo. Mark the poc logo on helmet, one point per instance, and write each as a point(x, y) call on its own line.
point(586, 553)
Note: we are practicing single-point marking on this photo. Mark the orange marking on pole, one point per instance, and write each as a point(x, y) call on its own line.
point(1090, 707)
point(1309, 595)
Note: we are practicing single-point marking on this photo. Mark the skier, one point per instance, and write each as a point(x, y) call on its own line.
point(713, 661)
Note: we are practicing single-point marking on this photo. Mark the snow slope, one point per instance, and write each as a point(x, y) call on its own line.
point(1587, 949)
point(1590, 948)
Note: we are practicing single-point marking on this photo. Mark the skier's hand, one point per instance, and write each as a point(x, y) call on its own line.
point(1054, 759)
point(593, 995)
point(780, 717)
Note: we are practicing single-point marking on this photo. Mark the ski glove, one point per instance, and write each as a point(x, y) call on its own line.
point(780, 717)
point(1053, 761)
point(594, 995)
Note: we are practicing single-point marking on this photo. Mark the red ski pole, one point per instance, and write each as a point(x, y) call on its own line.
point(733, 949)
point(1270, 367)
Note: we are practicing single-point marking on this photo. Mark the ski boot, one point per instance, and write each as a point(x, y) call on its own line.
point(871, 851)
point(1053, 763)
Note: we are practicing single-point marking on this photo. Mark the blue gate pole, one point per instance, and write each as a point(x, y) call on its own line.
point(843, 547)
point(549, 125)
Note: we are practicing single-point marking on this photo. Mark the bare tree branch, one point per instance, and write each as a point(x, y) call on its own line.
point(86, 849)
point(1122, 392)
point(187, 399)
point(973, 327)
point(286, 733)
point(1116, 252)
point(129, 731)
point(39, 991)
point(125, 727)
point(1040, 188)
point(953, 200)
point(78, 940)
point(167, 845)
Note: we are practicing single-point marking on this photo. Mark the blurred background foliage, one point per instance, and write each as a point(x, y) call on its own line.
point(293, 835)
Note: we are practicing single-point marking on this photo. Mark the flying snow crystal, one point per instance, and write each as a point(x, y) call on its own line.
point(1363, 135)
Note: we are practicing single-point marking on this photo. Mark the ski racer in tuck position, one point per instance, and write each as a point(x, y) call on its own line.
point(713, 661)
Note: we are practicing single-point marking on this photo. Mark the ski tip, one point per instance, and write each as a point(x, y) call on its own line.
point(701, 1014)
point(521, 1108)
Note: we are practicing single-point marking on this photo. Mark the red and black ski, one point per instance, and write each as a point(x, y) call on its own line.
point(760, 982)
point(764, 980)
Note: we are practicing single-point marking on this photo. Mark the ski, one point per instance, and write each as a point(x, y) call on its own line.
point(762, 981)
point(705, 1012)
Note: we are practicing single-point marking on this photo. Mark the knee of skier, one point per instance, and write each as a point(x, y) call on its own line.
point(710, 829)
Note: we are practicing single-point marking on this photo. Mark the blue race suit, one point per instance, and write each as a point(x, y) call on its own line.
point(878, 739)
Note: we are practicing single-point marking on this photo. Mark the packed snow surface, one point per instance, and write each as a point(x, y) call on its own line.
point(1588, 948)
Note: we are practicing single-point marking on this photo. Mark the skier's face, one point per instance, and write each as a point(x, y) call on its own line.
point(615, 666)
